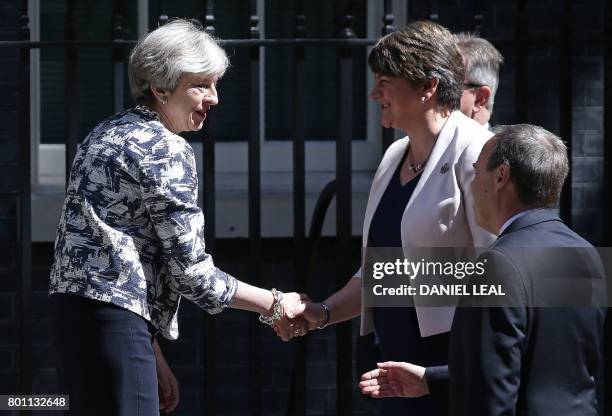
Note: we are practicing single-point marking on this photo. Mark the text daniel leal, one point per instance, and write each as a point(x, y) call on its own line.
point(439, 290)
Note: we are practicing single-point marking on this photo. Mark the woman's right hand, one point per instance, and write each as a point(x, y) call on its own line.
point(343, 305)
point(309, 316)
point(292, 323)
point(168, 385)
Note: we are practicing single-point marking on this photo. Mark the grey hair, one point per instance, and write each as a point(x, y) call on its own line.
point(538, 162)
point(162, 56)
point(482, 61)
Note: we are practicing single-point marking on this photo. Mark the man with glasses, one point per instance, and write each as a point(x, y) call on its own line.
point(482, 62)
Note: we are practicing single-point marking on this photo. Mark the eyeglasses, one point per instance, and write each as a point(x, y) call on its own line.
point(467, 85)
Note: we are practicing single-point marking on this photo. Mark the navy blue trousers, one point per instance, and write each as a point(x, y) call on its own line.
point(105, 358)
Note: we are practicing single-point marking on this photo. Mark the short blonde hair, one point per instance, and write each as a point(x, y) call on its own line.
point(162, 56)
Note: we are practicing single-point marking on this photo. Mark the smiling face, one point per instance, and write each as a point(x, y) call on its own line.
point(185, 108)
point(399, 100)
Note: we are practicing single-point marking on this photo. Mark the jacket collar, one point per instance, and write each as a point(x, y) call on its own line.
point(535, 216)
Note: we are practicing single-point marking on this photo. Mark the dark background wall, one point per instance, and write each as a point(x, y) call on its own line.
point(9, 196)
point(541, 100)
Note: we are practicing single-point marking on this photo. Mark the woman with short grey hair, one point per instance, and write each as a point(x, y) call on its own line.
point(157, 61)
point(130, 242)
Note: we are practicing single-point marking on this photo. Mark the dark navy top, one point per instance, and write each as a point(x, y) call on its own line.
point(397, 329)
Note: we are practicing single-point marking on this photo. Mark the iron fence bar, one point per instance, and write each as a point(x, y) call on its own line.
point(541, 39)
point(565, 106)
point(433, 10)
point(209, 397)
point(607, 183)
point(478, 17)
point(24, 210)
point(118, 59)
point(254, 155)
point(71, 88)
point(209, 325)
point(607, 124)
point(410, 14)
point(332, 42)
point(353, 42)
point(521, 52)
point(388, 27)
point(297, 402)
point(607, 197)
point(162, 17)
point(388, 18)
point(344, 82)
point(316, 224)
point(209, 19)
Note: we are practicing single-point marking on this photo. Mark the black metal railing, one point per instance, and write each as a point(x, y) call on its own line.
point(24, 209)
point(607, 196)
point(254, 174)
point(297, 403)
point(344, 43)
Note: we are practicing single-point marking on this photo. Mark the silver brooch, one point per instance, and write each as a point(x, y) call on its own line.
point(444, 168)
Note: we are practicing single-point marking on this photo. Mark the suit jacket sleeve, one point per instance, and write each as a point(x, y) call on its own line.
point(487, 345)
point(437, 381)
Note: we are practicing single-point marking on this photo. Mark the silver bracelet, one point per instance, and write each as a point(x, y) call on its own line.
point(276, 309)
point(326, 321)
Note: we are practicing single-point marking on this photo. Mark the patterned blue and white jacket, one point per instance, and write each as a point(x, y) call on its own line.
point(131, 232)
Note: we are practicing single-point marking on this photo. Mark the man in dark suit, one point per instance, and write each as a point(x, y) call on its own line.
point(522, 357)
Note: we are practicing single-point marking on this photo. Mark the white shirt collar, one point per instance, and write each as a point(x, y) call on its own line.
point(512, 219)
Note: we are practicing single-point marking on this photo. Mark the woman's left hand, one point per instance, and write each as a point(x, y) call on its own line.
point(168, 385)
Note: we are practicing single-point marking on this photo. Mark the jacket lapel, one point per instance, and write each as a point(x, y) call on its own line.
point(434, 320)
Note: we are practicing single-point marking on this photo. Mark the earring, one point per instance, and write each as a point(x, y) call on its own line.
point(423, 100)
point(163, 99)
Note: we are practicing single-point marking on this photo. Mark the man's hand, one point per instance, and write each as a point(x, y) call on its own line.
point(395, 379)
point(168, 385)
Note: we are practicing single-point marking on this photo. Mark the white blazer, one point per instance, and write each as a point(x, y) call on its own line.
point(440, 212)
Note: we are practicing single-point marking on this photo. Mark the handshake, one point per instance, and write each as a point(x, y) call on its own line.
point(294, 314)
